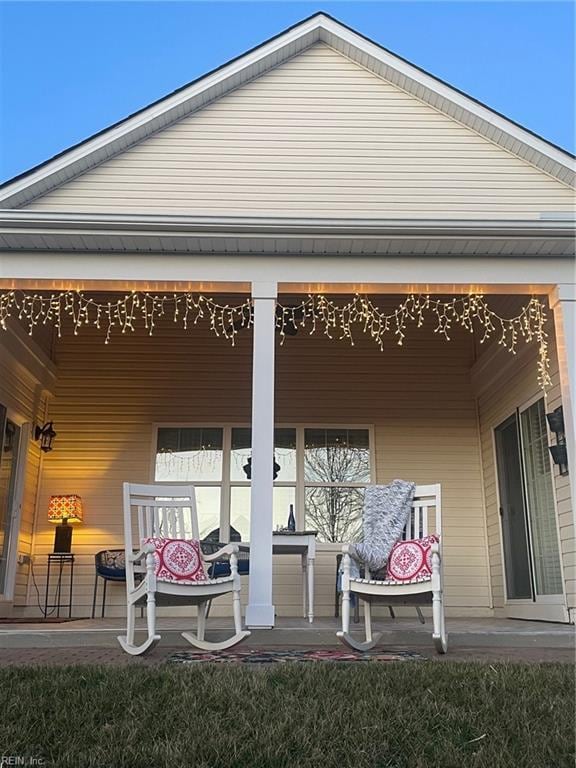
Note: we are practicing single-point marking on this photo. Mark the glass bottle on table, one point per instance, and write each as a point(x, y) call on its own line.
point(291, 519)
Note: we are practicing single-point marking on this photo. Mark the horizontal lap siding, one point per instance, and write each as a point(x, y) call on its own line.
point(418, 397)
point(497, 401)
point(318, 135)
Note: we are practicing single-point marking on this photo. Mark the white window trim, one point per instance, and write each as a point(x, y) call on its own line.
point(300, 484)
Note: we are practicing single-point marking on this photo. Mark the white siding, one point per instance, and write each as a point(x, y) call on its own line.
point(318, 135)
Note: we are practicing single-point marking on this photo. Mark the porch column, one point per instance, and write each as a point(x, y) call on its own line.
point(260, 611)
point(563, 303)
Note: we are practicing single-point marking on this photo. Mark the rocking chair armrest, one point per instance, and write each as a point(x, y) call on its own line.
point(146, 549)
point(229, 549)
point(435, 550)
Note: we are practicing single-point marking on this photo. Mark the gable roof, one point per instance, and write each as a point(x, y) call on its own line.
point(317, 28)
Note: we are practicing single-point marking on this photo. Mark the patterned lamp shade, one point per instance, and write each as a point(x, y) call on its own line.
point(67, 508)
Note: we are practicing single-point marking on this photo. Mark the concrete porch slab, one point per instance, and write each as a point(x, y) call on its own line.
point(94, 641)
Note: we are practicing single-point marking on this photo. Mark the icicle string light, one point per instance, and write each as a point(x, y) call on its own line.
point(124, 313)
point(315, 313)
point(318, 313)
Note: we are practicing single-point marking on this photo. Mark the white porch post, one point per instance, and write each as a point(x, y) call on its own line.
point(564, 305)
point(260, 611)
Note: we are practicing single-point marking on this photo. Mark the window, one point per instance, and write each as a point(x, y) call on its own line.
point(321, 472)
point(194, 455)
point(336, 471)
point(284, 482)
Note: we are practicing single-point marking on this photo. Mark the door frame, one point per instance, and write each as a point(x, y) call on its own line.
point(541, 607)
point(16, 509)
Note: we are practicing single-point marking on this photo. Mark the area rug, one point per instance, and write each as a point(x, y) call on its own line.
point(285, 657)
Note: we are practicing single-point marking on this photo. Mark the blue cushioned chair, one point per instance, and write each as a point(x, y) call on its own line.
point(110, 566)
point(221, 568)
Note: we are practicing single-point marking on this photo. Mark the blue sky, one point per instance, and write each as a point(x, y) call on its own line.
point(69, 69)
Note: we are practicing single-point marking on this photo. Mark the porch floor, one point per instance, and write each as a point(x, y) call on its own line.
point(94, 641)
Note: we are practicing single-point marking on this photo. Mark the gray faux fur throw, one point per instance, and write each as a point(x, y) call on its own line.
point(386, 512)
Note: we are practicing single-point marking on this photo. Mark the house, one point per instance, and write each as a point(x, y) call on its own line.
point(208, 259)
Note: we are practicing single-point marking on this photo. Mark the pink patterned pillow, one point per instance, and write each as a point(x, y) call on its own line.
point(411, 560)
point(178, 560)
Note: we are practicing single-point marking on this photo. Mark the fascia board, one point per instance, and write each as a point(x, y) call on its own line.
point(445, 91)
point(102, 146)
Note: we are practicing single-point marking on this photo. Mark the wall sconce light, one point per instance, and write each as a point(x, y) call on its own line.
point(46, 435)
point(558, 451)
point(64, 510)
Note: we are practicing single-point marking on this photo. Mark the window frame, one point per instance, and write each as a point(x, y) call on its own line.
point(300, 484)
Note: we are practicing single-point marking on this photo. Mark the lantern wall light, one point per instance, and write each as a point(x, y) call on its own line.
point(558, 451)
point(45, 435)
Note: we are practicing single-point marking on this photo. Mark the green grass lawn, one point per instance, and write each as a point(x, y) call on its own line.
point(416, 714)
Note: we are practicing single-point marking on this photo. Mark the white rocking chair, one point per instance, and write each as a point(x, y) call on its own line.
point(427, 503)
point(161, 511)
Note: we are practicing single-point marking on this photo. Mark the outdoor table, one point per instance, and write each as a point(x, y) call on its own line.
point(301, 543)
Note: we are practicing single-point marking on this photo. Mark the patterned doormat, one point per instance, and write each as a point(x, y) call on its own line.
point(284, 657)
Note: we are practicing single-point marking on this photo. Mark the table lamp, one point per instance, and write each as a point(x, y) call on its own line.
point(64, 510)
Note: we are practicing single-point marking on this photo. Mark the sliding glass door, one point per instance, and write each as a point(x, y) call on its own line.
point(514, 522)
point(530, 542)
point(540, 500)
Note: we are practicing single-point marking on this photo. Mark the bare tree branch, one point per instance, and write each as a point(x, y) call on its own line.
point(336, 512)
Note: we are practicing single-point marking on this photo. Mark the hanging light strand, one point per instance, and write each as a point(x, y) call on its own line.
point(318, 313)
point(123, 314)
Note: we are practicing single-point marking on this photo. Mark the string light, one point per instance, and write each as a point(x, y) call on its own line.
point(123, 314)
point(188, 464)
point(318, 313)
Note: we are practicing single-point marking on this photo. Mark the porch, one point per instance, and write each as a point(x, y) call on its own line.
point(94, 640)
point(426, 411)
